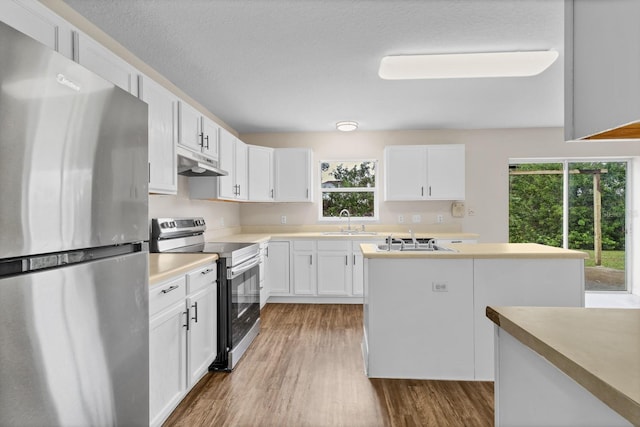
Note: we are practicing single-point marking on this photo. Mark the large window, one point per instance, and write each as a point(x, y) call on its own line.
point(350, 185)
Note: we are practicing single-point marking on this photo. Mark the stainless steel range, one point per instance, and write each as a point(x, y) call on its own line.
point(238, 289)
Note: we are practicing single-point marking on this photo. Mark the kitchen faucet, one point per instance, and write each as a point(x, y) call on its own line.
point(348, 218)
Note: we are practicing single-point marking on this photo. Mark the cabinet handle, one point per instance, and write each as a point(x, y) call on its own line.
point(201, 135)
point(238, 189)
point(346, 260)
point(429, 190)
point(187, 319)
point(149, 172)
point(422, 191)
point(207, 271)
point(272, 193)
point(169, 289)
point(195, 306)
point(207, 138)
point(310, 259)
point(266, 253)
point(354, 259)
point(307, 193)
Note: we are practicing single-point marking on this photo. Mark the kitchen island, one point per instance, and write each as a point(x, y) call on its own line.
point(424, 312)
point(567, 366)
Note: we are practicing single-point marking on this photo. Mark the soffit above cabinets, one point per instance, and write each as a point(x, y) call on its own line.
point(291, 65)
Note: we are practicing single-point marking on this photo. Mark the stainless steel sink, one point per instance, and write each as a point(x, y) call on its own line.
point(397, 247)
point(350, 233)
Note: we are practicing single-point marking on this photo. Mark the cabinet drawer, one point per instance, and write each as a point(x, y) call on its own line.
point(304, 245)
point(334, 245)
point(163, 295)
point(201, 278)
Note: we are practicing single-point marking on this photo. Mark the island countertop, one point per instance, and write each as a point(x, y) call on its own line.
point(598, 348)
point(479, 250)
point(165, 266)
point(335, 235)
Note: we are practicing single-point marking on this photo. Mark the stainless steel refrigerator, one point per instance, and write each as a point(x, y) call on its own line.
point(74, 346)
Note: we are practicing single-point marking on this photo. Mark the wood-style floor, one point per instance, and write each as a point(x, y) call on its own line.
point(305, 369)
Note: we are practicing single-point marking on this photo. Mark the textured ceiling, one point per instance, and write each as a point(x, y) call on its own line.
point(303, 65)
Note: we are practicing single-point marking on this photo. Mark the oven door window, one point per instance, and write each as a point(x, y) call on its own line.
point(245, 303)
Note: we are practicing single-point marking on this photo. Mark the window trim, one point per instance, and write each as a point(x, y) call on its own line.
point(375, 191)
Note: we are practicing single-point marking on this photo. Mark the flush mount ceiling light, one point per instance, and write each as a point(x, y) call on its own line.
point(347, 126)
point(466, 65)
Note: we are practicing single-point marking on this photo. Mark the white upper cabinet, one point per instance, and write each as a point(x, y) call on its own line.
point(38, 22)
point(293, 179)
point(260, 165)
point(105, 63)
point(405, 172)
point(445, 172)
point(210, 136)
point(602, 68)
point(197, 132)
point(162, 104)
point(233, 159)
point(424, 172)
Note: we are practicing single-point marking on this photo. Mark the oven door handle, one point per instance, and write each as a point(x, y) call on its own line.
point(233, 272)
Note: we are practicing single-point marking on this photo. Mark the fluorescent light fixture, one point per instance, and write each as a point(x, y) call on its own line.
point(347, 126)
point(466, 65)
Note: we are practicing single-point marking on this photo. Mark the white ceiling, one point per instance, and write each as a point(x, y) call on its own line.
point(303, 65)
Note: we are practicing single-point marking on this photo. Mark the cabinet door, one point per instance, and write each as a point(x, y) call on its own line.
point(106, 64)
point(278, 268)
point(241, 171)
point(226, 184)
point(304, 273)
point(167, 362)
point(163, 176)
point(293, 175)
point(189, 132)
point(260, 167)
point(446, 172)
point(334, 272)
point(358, 269)
point(38, 22)
point(202, 332)
point(211, 133)
point(405, 169)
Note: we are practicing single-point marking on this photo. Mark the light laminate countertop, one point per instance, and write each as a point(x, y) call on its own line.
point(480, 250)
point(165, 266)
point(599, 348)
point(332, 235)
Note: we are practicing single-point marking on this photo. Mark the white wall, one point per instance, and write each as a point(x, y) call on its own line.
point(222, 218)
point(487, 184)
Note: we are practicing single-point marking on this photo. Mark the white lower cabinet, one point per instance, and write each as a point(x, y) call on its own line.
point(304, 267)
point(335, 268)
point(182, 338)
point(278, 268)
point(358, 269)
point(202, 333)
point(323, 269)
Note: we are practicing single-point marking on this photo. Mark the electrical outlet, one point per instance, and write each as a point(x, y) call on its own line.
point(416, 218)
point(283, 219)
point(440, 218)
point(400, 219)
point(440, 286)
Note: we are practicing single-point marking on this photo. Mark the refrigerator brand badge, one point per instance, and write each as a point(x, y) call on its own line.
point(68, 83)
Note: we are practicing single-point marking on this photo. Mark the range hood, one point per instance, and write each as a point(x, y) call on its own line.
point(191, 163)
